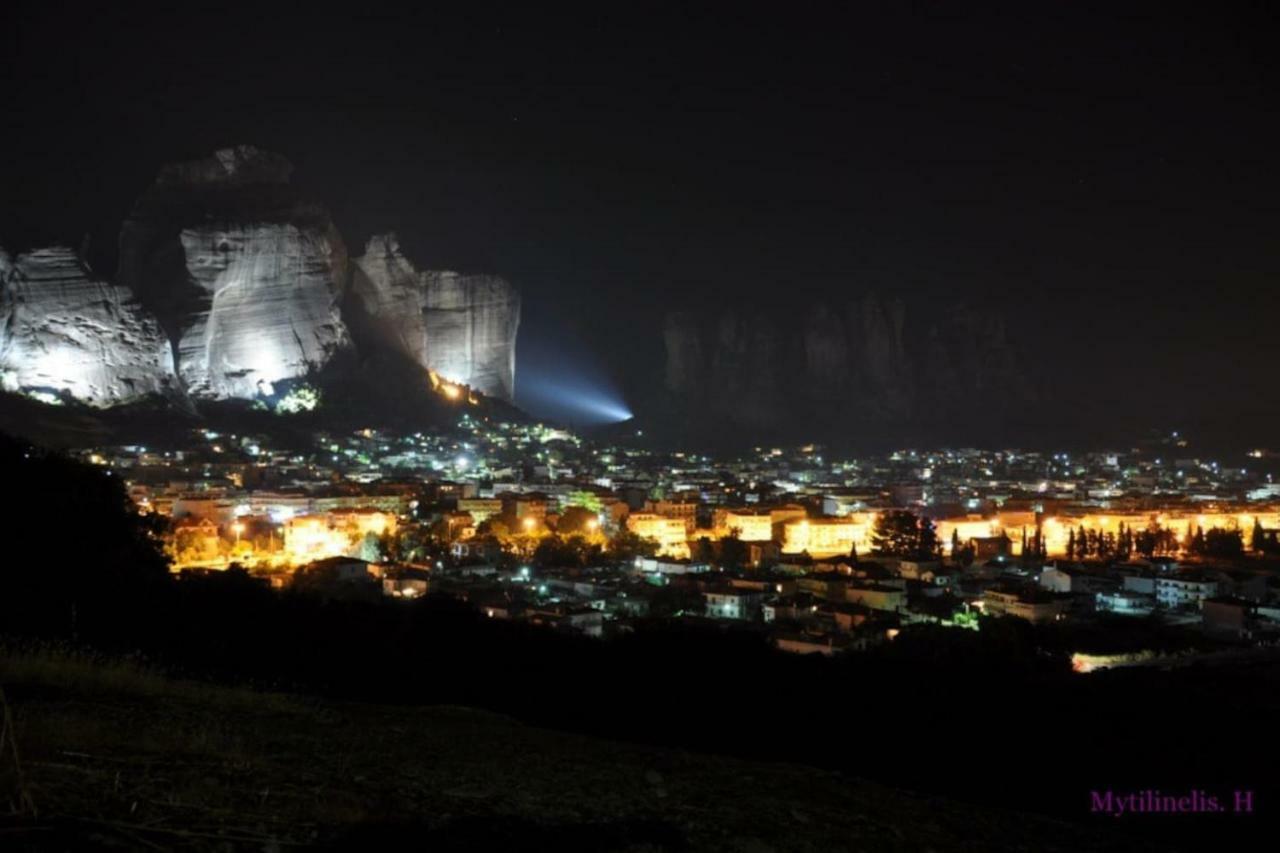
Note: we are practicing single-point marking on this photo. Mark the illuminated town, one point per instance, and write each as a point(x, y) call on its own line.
point(823, 552)
point(645, 428)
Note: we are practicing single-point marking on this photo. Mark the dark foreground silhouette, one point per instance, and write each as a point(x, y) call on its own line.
point(989, 718)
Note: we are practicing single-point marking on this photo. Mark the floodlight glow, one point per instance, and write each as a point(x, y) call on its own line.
point(574, 399)
point(562, 379)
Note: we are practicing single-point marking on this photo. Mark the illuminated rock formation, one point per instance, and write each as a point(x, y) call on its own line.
point(463, 327)
point(231, 283)
point(65, 331)
point(245, 275)
point(272, 308)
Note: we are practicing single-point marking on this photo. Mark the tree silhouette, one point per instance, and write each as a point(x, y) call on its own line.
point(1224, 544)
point(627, 545)
point(928, 546)
point(901, 533)
point(1198, 545)
point(733, 552)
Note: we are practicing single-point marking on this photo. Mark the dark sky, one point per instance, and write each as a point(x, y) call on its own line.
point(1106, 178)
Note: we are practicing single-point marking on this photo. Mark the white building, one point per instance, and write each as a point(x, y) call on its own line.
point(1187, 591)
point(1029, 604)
point(733, 603)
point(1125, 602)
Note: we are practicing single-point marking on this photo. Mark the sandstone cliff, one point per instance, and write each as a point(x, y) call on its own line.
point(231, 282)
point(245, 275)
point(461, 326)
point(65, 331)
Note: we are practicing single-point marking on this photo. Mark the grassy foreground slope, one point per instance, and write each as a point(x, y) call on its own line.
point(114, 756)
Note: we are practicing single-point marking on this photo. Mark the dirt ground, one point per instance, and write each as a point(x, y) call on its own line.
point(112, 756)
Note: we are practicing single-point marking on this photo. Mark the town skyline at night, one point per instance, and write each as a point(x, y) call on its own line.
point(639, 429)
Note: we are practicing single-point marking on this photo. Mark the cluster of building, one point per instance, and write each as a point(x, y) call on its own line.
point(784, 538)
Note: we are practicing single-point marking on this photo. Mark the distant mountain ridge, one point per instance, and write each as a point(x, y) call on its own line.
point(830, 367)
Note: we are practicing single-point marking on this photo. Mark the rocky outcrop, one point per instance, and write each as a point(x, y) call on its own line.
point(232, 282)
point(65, 331)
point(870, 361)
point(461, 326)
point(270, 312)
point(242, 165)
point(252, 283)
point(245, 274)
point(685, 369)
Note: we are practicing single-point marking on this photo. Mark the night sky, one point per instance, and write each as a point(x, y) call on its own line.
point(1107, 180)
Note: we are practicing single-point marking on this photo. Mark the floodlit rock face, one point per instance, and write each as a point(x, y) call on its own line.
point(461, 326)
point(270, 308)
point(63, 330)
point(245, 275)
point(231, 282)
point(471, 325)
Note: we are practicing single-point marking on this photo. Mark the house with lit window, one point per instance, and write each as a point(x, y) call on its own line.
point(1124, 602)
point(732, 603)
point(747, 525)
point(827, 537)
point(686, 511)
point(476, 548)
point(669, 533)
point(1185, 591)
point(1024, 601)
